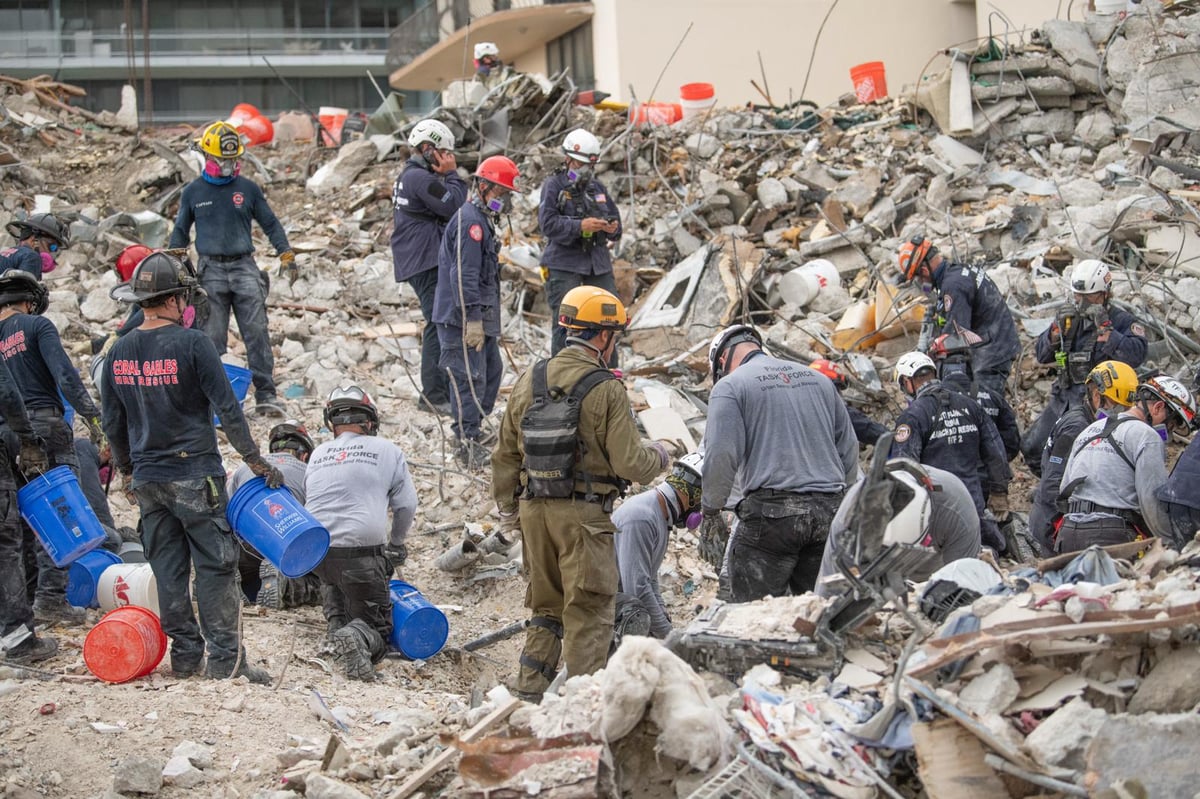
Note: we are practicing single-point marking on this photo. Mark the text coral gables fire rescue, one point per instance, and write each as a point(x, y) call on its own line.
point(128, 372)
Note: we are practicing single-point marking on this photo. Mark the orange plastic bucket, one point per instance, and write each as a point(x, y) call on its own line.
point(257, 130)
point(696, 91)
point(332, 119)
point(126, 644)
point(656, 113)
point(870, 81)
point(241, 112)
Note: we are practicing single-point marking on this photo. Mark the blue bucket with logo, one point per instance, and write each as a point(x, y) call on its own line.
point(54, 506)
point(274, 523)
point(83, 576)
point(419, 630)
point(240, 379)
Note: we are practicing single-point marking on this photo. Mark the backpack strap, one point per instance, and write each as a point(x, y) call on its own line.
point(541, 391)
point(1106, 434)
point(581, 389)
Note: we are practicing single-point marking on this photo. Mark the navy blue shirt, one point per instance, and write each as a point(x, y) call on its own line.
point(160, 387)
point(866, 429)
point(33, 351)
point(422, 202)
point(12, 406)
point(24, 258)
point(469, 271)
point(995, 406)
point(222, 216)
point(1126, 343)
point(1043, 510)
point(564, 206)
point(966, 295)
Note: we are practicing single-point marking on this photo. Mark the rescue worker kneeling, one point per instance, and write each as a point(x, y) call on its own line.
point(567, 446)
point(1116, 466)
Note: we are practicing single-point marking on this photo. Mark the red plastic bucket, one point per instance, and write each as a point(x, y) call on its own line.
point(257, 130)
point(655, 113)
point(332, 119)
point(241, 112)
point(126, 644)
point(870, 81)
point(696, 91)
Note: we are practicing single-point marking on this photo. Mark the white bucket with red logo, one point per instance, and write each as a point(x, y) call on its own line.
point(128, 584)
point(801, 285)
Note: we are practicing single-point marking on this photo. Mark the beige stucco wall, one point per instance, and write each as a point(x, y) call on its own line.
point(632, 40)
point(1022, 14)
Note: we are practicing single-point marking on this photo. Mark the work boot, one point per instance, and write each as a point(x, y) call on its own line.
point(32, 650)
point(472, 455)
point(269, 593)
point(57, 611)
point(350, 652)
point(268, 407)
point(254, 675)
point(439, 408)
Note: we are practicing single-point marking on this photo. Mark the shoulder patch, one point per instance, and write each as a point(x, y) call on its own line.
point(902, 434)
point(1137, 329)
point(600, 198)
point(947, 301)
point(476, 232)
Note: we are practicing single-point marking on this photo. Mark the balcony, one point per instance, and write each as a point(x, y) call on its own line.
point(430, 48)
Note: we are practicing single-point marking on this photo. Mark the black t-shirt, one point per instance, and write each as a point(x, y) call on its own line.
point(33, 352)
point(160, 388)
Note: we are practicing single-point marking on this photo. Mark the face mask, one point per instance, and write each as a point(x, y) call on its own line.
point(1162, 431)
point(1101, 415)
point(222, 167)
point(500, 205)
point(693, 519)
point(189, 316)
point(579, 172)
point(48, 262)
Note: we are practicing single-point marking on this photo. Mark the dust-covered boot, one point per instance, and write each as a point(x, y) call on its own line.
point(352, 651)
point(472, 455)
point(32, 650)
point(57, 611)
point(270, 594)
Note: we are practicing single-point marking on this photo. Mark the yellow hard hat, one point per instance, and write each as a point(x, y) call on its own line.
point(221, 140)
point(1116, 380)
point(592, 308)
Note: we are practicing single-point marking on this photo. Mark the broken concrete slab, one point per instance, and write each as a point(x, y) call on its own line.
point(1063, 737)
point(319, 786)
point(180, 773)
point(1071, 41)
point(990, 692)
point(341, 172)
point(1155, 750)
point(1172, 686)
point(955, 153)
point(139, 774)
point(857, 193)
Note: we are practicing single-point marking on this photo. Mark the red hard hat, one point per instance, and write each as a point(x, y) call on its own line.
point(499, 170)
point(913, 253)
point(129, 258)
point(830, 370)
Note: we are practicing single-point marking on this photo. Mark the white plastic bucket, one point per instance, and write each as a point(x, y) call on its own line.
point(128, 584)
point(801, 285)
point(1110, 6)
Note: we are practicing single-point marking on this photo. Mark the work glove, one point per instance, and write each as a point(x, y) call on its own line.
point(266, 470)
point(396, 554)
point(287, 266)
point(664, 457)
point(998, 505)
point(1097, 313)
point(96, 434)
point(33, 458)
point(714, 535)
point(671, 449)
point(512, 272)
point(127, 489)
point(473, 335)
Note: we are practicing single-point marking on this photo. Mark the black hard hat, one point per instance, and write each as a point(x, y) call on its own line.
point(351, 405)
point(17, 285)
point(290, 435)
point(159, 274)
point(47, 225)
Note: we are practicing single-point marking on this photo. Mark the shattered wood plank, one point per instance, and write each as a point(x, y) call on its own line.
point(950, 763)
point(393, 330)
point(1126, 550)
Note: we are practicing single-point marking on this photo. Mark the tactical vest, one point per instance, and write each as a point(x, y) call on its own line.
point(550, 430)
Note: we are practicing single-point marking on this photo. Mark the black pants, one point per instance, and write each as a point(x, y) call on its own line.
point(45, 581)
point(1074, 536)
point(15, 609)
point(779, 543)
point(1185, 522)
point(354, 585)
point(1035, 437)
point(433, 379)
point(557, 286)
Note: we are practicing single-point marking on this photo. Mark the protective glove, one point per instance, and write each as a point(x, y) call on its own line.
point(714, 535)
point(33, 458)
point(1097, 313)
point(96, 433)
point(127, 489)
point(664, 457)
point(998, 505)
point(287, 266)
point(511, 272)
point(396, 554)
point(266, 470)
point(473, 335)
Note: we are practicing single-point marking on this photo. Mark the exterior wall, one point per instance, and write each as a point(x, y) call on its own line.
point(1022, 14)
point(633, 40)
point(532, 61)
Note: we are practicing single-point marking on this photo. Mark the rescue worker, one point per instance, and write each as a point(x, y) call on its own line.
point(965, 296)
point(952, 354)
point(161, 384)
point(489, 69)
point(578, 220)
point(940, 507)
point(866, 429)
point(288, 449)
point(1083, 334)
point(39, 238)
point(33, 352)
point(24, 453)
point(948, 430)
point(222, 205)
point(559, 488)
point(427, 193)
point(1111, 388)
point(466, 306)
point(644, 525)
point(1117, 465)
point(352, 483)
point(782, 432)
point(1180, 497)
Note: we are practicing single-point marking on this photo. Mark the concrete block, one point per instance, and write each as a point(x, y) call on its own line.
point(1096, 129)
point(1173, 685)
point(1062, 737)
point(140, 774)
point(1152, 749)
point(990, 692)
point(771, 193)
point(1071, 41)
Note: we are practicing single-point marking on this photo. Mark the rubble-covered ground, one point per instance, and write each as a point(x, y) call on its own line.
point(1076, 142)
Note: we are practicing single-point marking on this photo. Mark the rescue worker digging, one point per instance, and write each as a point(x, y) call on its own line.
point(557, 468)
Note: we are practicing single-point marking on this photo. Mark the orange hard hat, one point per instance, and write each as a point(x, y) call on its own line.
point(499, 170)
point(129, 258)
point(830, 370)
point(913, 253)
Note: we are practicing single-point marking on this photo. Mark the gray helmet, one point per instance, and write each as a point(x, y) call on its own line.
point(159, 274)
point(45, 225)
point(17, 285)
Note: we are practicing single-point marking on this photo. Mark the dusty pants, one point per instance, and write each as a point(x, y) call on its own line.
point(780, 542)
point(354, 585)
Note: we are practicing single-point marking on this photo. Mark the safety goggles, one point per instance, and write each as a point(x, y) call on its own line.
point(51, 245)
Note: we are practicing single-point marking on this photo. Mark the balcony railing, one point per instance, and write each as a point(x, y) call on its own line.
point(37, 45)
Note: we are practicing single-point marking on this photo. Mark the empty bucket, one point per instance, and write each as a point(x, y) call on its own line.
point(274, 523)
point(241, 112)
point(54, 506)
point(257, 130)
point(870, 81)
point(695, 99)
point(419, 630)
point(126, 644)
point(128, 584)
point(332, 119)
point(655, 113)
point(801, 285)
point(83, 577)
point(240, 378)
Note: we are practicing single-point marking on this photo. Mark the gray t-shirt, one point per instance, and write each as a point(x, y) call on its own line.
point(953, 525)
point(351, 483)
point(642, 536)
point(293, 474)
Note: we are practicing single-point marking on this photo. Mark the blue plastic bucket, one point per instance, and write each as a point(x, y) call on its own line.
point(84, 575)
point(240, 379)
point(419, 630)
point(54, 506)
point(274, 523)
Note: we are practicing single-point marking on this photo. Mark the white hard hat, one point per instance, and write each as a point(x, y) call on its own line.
point(734, 334)
point(910, 522)
point(910, 363)
point(579, 145)
point(692, 462)
point(1175, 395)
point(1090, 276)
point(432, 131)
point(486, 48)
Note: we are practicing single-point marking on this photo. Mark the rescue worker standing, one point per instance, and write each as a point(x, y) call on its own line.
point(352, 483)
point(559, 487)
point(34, 355)
point(952, 354)
point(1111, 388)
point(578, 220)
point(222, 205)
point(161, 384)
point(466, 306)
point(427, 193)
point(1083, 334)
point(965, 297)
point(1117, 465)
point(39, 238)
point(644, 527)
point(948, 430)
point(489, 69)
point(781, 430)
